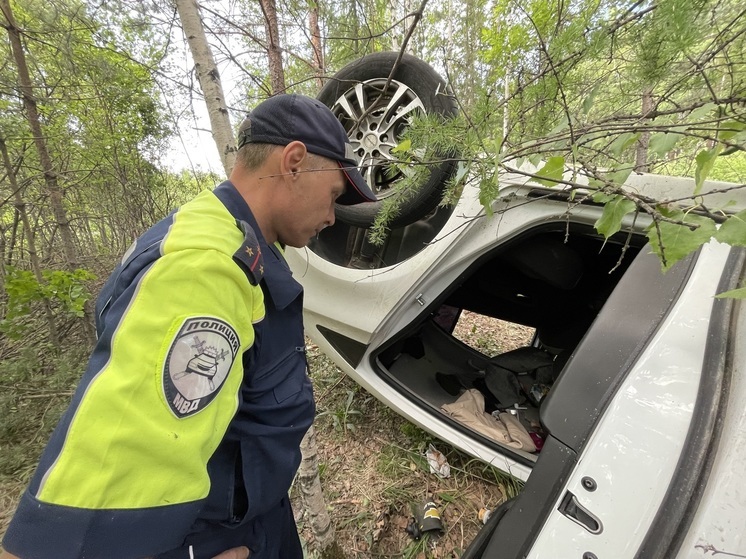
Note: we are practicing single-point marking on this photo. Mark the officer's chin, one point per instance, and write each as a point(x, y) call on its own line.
point(295, 243)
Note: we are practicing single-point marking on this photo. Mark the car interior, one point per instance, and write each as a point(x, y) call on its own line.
point(554, 279)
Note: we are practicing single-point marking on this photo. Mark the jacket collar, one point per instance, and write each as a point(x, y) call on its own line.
point(278, 279)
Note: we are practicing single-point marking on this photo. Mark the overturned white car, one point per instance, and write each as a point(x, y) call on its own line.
point(624, 414)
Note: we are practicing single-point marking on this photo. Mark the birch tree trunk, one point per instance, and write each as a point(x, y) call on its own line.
point(33, 256)
point(394, 11)
point(274, 50)
point(209, 81)
point(318, 47)
point(313, 498)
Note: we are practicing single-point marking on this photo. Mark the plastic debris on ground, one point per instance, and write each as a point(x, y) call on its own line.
point(438, 463)
point(426, 520)
point(413, 529)
point(430, 520)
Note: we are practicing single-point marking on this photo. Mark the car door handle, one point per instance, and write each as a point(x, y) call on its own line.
point(572, 509)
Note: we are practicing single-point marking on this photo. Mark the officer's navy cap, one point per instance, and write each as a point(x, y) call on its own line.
point(286, 118)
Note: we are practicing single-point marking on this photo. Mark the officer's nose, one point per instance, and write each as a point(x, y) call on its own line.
point(330, 217)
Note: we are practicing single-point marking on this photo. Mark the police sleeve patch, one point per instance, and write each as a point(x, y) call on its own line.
point(198, 362)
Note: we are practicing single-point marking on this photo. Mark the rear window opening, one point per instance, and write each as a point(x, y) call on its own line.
point(495, 344)
point(491, 335)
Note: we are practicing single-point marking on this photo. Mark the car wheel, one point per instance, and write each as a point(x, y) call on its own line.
point(375, 117)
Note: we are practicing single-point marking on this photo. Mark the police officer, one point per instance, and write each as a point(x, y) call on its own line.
point(183, 437)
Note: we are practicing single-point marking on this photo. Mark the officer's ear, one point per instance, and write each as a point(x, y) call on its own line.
point(292, 158)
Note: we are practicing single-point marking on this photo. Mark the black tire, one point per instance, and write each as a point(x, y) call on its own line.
point(415, 83)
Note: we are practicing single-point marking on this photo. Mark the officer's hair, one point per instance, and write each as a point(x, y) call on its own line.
point(253, 156)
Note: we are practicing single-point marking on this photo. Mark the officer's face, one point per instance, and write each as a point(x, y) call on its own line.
point(320, 182)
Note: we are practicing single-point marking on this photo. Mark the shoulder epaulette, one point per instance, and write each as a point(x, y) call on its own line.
point(249, 255)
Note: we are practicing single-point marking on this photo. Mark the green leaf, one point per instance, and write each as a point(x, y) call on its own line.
point(551, 173)
point(563, 124)
point(705, 162)
point(614, 211)
point(623, 142)
point(613, 177)
point(738, 144)
point(620, 176)
point(677, 241)
point(733, 230)
point(602, 197)
point(739, 293)
point(663, 142)
point(728, 130)
point(488, 192)
point(588, 101)
point(703, 111)
point(403, 147)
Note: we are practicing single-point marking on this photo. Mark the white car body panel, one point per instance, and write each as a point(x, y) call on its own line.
point(635, 448)
point(719, 526)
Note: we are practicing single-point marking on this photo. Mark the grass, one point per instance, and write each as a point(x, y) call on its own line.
point(375, 476)
point(37, 384)
point(344, 415)
point(36, 390)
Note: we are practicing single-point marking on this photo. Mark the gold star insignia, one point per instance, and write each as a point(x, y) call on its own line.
point(261, 270)
point(250, 251)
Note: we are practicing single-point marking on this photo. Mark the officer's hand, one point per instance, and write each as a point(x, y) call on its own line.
point(235, 553)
